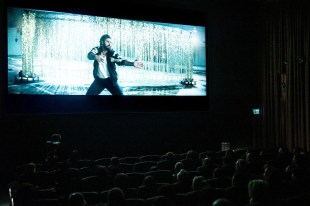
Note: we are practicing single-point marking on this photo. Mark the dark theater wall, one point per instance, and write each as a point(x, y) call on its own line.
point(233, 69)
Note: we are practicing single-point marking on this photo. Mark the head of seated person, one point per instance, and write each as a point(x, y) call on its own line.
point(77, 199)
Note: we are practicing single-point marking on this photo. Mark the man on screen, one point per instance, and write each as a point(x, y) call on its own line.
point(105, 75)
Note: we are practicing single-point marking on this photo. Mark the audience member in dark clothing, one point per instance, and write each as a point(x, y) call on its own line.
point(198, 183)
point(72, 161)
point(77, 199)
point(177, 168)
point(98, 182)
point(167, 190)
point(207, 167)
point(115, 197)
point(200, 193)
point(300, 182)
point(228, 163)
point(168, 163)
point(104, 176)
point(148, 188)
point(29, 174)
point(191, 162)
point(283, 158)
point(114, 166)
point(121, 181)
point(241, 166)
point(275, 180)
point(255, 165)
point(183, 183)
point(24, 188)
point(238, 191)
point(259, 193)
point(220, 179)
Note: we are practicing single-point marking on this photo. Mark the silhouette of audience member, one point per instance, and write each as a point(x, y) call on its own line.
point(121, 180)
point(114, 166)
point(73, 160)
point(207, 167)
point(26, 187)
point(54, 140)
point(298, 172)
point(167, 190)
point(53, 154)
point(51, 160)
point(104, 177)
point(275, 180)
point(201, 193)
point(300, 161)
point(258, 193)
point(213, 156)
point(168, 163)
point(148, 188)
point(222, 202)
point(238, 191)
point(220, 179)
point(300, 181)
point(241, 166)
point(283, 158)
point(77, 199)
point(29, 174)
point(191, 161)
point(177, 168)
point(116, 197)
point(183, 183)
point(297, 161)
point(100, 181)
point(199, 183)
point(297, 150)
point(255, 166)
point(228, 162)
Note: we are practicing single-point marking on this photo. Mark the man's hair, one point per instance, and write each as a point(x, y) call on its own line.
point(103, 38)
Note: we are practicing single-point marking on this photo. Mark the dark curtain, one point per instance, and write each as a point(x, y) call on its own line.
point(285, 102)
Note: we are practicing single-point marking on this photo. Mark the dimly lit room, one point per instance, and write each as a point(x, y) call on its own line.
point(181, 103)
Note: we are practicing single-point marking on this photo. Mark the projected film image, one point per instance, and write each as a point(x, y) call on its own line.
point(56, 53)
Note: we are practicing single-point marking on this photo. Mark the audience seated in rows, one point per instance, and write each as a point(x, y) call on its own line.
point(221, 178)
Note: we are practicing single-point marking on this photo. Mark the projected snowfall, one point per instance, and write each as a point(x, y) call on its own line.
point(47, 54)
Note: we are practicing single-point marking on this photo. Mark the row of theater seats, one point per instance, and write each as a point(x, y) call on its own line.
point(90, 181)
point(94, 179)
point(82, 176)
point(132, 164)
